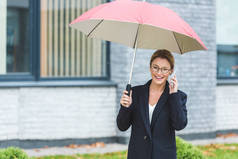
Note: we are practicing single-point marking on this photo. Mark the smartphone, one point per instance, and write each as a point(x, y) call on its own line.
point(171, 76)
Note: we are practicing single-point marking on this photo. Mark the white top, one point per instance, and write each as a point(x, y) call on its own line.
point(151, 109)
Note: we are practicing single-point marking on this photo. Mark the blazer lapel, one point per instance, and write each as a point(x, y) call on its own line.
point(144, 99)
point(160, 104)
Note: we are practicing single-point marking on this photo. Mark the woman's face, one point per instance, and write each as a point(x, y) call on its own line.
point(160, 70)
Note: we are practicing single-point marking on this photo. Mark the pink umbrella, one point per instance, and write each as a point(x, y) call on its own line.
point(139, 25)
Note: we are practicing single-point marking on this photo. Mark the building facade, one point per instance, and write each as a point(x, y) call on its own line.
point(57, 87)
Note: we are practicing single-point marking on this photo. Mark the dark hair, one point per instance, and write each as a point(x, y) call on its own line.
point(164, 54)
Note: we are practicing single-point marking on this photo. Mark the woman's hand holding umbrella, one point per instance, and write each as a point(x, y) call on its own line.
point(125, 99)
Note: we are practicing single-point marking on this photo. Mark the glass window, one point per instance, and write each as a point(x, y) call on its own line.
point(227, 39)
point(65, 52)
point(227, 61)
point(14, 31)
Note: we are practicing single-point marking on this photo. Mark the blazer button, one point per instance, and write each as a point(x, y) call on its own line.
point(145, 137)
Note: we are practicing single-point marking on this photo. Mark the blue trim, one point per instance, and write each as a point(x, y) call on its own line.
point(227, 81)
point(36, 33)
point(108, 64)
point(16, 77)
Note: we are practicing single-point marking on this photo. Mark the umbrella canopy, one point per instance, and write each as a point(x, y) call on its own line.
point(139, 25)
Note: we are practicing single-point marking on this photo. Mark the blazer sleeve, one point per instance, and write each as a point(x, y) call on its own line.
point(178, 111)
point(124, 117)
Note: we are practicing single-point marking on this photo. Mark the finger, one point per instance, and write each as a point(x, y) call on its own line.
point(125, 104)
point(125, 96)
point(170, 87)
point(125, 100)
point(172, 84)
point(174, 80)
point(125, 92)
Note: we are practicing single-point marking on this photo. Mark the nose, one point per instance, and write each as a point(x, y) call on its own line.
point(159, 72)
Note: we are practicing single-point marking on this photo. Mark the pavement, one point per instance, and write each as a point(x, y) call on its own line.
point(218, 140)
point(114, 147)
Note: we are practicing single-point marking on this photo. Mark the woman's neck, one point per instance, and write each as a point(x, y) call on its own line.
point(157, 88)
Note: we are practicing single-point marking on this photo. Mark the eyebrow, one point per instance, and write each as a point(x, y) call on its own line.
point(161, 67)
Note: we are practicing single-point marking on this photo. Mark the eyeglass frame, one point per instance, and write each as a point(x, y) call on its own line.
point(160, 69)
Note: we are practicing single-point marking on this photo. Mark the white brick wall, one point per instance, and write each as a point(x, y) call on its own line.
point(227, 107)
point(57, 113)
point(9, 102)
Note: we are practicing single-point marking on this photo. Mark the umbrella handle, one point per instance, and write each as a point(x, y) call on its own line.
point(128, 89)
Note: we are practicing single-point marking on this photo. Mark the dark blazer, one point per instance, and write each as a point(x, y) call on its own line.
point(155, 140)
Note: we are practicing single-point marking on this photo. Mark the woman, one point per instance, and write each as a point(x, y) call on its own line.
point(153, 136)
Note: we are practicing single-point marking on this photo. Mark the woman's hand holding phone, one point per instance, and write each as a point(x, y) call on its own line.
point(173, 84)
point(125, 99)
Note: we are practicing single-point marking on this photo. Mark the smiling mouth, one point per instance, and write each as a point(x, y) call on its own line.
point(158, 78)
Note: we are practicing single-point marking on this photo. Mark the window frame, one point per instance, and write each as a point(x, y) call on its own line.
point(223, 80)
point(34, 54)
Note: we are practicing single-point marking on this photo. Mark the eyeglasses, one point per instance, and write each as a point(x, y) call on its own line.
point(162, 70)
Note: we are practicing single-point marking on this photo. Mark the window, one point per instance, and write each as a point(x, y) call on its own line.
point(65, 51)
point(227, 61)
point(38, 44)
point(227, 41)
point(14, 41)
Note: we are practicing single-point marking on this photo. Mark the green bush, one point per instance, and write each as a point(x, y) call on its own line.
point(12, 153)
point(186, 150)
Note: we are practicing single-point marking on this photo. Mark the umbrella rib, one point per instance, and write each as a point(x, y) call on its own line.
point(95, 28)
point(177, 43)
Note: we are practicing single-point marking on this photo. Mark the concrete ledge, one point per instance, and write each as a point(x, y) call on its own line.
point(198, 136)
point(28, 144)
point(227, 131)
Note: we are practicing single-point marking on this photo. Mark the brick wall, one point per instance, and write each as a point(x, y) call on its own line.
point(57, 113)
point(226, 108)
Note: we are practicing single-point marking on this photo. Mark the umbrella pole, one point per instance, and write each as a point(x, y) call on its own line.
point(128, 87)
